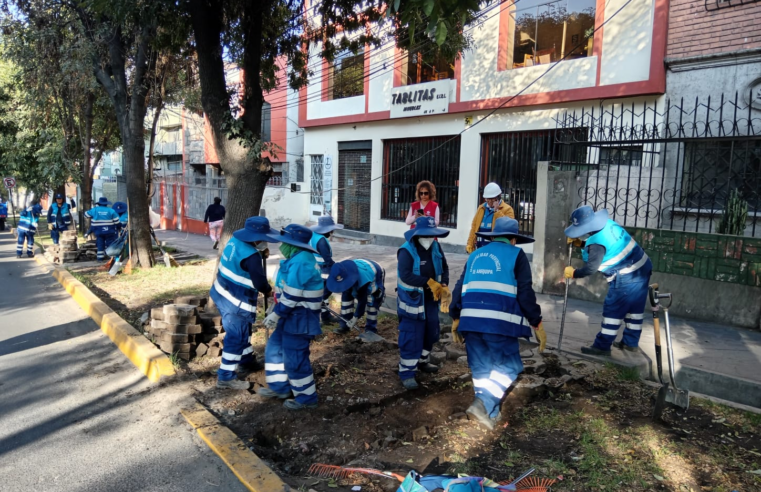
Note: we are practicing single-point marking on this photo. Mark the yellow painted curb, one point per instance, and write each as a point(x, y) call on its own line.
point(139, 350)
point(247, 466)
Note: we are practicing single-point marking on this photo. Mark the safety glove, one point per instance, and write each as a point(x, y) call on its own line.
point(446, 299)
point(575, 241)
point(568, 272)
point(271, 320)
point(436, 288)
point(541, 335)
point(456, 337)
point(351, 323)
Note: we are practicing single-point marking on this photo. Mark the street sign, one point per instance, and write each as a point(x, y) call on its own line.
point(9, 182)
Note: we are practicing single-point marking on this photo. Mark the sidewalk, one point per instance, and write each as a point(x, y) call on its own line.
point(716, 360)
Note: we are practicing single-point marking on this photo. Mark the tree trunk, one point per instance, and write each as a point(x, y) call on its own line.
point(152, 146)
point(244, 196)
point(86, 202)
point(134, 172)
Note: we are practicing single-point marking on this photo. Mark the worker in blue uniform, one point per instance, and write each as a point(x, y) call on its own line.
point(27, 228)
point(121, 210)
point(493, 304)
point(59, 217)
point(324, 256)
point(240, 278)
point(608, 248)
point(295, 320)
point(3, 213)
point(422, 279)
point(363, 281)
point(105, 224)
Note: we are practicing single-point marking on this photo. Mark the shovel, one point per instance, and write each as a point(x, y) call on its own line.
point(660, 400)
point(675, 396)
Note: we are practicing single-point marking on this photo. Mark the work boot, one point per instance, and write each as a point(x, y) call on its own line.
point(246, 369)
point(410, 384)
point(477, 411)
point(235, 384)
point(268, 393)
point(595, 351)
point(294, 405)
point(427, 367)
point(621, 346)
point(30, 254)
point(18, 257)
point(216, 243)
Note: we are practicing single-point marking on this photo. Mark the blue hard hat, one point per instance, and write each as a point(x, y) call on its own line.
point(103, 202)
point(343, 275)
point(507, 227)
point(425, 227)
point(255, 229)
point(325, 224)
point(57, 196)
point(584, 220)
point(120, 207)
point(295, 235)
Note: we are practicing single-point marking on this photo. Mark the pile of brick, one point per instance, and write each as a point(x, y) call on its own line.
point(68, 250)
point(186, 329)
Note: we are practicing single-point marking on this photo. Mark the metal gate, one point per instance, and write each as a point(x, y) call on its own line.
point(354, 174)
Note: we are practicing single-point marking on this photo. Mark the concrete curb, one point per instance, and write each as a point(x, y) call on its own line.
point(139, 350)
point(253, 473)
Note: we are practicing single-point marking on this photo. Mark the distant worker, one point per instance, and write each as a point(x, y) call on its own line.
point(363, 281)
point(607, 247)
point(493, 304)
point(104, 223)
point(59, 217)
point(425, 204)
point(492, 209)
point(215, 217)
point(320, 242)
point(121, 210)
point(422, 279)
point(296, 321)
point(3, 213)
point(27, 228)
point(240, 278)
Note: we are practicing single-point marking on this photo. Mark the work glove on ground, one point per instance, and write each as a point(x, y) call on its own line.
point(575, 241)
point(436, 288)
point(568, 272)
point(271, 320)
point(446, 299)
point(541, 335)
point(352, 323)
point(456, 337)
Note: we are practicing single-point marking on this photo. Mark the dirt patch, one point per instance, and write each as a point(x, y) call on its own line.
point(590, 426)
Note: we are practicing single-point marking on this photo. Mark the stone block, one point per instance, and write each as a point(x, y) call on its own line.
point(201, 349)
point(171, 348)
point(214, 351)
point(184, 329)
point(463, 361)
point(180, 320)
point(179, 310)
point(438, 357)
point(174, 338)
point(184, 355)
point(209, 320)
point(455, 351)
point(191, 300)
point(158, 324)
point(157, 313)
point(420, 433)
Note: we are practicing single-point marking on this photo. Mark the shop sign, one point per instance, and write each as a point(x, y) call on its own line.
point(420, 99)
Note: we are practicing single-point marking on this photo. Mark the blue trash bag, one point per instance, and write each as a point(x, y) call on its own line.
point(414, 482)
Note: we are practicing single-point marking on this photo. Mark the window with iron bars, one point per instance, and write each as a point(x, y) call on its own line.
point(408, 161)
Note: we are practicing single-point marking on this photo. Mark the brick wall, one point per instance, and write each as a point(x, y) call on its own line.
point(694, 31)
point(709, 256)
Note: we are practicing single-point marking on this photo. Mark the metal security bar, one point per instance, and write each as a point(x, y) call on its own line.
point(668, 166)
point(439, 163)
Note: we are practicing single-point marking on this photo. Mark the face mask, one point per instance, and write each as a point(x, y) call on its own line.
point(585, 237)
point(425, 242)
point(262, 245)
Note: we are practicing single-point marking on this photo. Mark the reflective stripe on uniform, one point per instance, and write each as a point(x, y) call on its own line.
point(228, 367)
point(235, 277)
point(301, 292)
point(242, 305)
point(302, 381)
point(269, 366)
point(276, 378)
point(489, 386)
point(307, 391)
point(347, 303)
point(228, 356)
point(607, 331)
point(407, 286)
point(635, 316)
point(489, 314)
point(291, 303)
point(502, 379)
point(485, 285)
point(611, 321)
point(412, 310)
point(620, 256)
point(636, 266)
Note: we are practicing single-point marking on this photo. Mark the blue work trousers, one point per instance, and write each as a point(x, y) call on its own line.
point(325, 315)
point(624, 304)
point(347, 310)
point(29, 236)
point(238, 348)
point(287, 367)
point(55, 233)
point(495, 362)
point(416, 339)
point(103, 241)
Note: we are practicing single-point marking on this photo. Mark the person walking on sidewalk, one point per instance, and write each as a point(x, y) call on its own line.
point(3, 213)
point(425, 206)
point(320, 242)
point(422, 279)
point(27, 228)
point(363, 280)
point(608, 248)
point(493, 304)
point(104, 223)
point(215, 217)
point(59, 217)
point(295, 320)
point(492, 209)
point(240, 278)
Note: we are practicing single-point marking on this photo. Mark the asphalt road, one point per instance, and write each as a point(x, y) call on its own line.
point(75, 414)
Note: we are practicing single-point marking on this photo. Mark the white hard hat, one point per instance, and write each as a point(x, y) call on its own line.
point(492, 190)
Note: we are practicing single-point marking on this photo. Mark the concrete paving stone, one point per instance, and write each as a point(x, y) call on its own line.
point(171, 348)
point(201, 349)
point(455, 351)
point(180, 320)
point(174, 338)
point(179, 310)
point(191, 300)
point(157, 313)
point(158, 325)
point(186, 329)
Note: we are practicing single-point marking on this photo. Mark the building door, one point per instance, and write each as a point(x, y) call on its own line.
point(354, 174)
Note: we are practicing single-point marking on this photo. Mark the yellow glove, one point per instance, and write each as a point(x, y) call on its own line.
point(568, 272)
point(446, 299)
point(576, 242)
point(436, 288)
point(456, 337)
point(541, 335)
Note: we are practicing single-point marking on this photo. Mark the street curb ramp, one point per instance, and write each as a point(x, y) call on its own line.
point(139, 350)
point(253, 473)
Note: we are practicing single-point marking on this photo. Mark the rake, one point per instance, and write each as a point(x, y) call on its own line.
point(341, 472)
point(534, 484)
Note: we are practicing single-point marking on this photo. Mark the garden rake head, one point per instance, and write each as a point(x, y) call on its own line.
point(341, 472)
point(534, 484)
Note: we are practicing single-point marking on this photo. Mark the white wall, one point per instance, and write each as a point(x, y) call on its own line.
point(627, 42)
